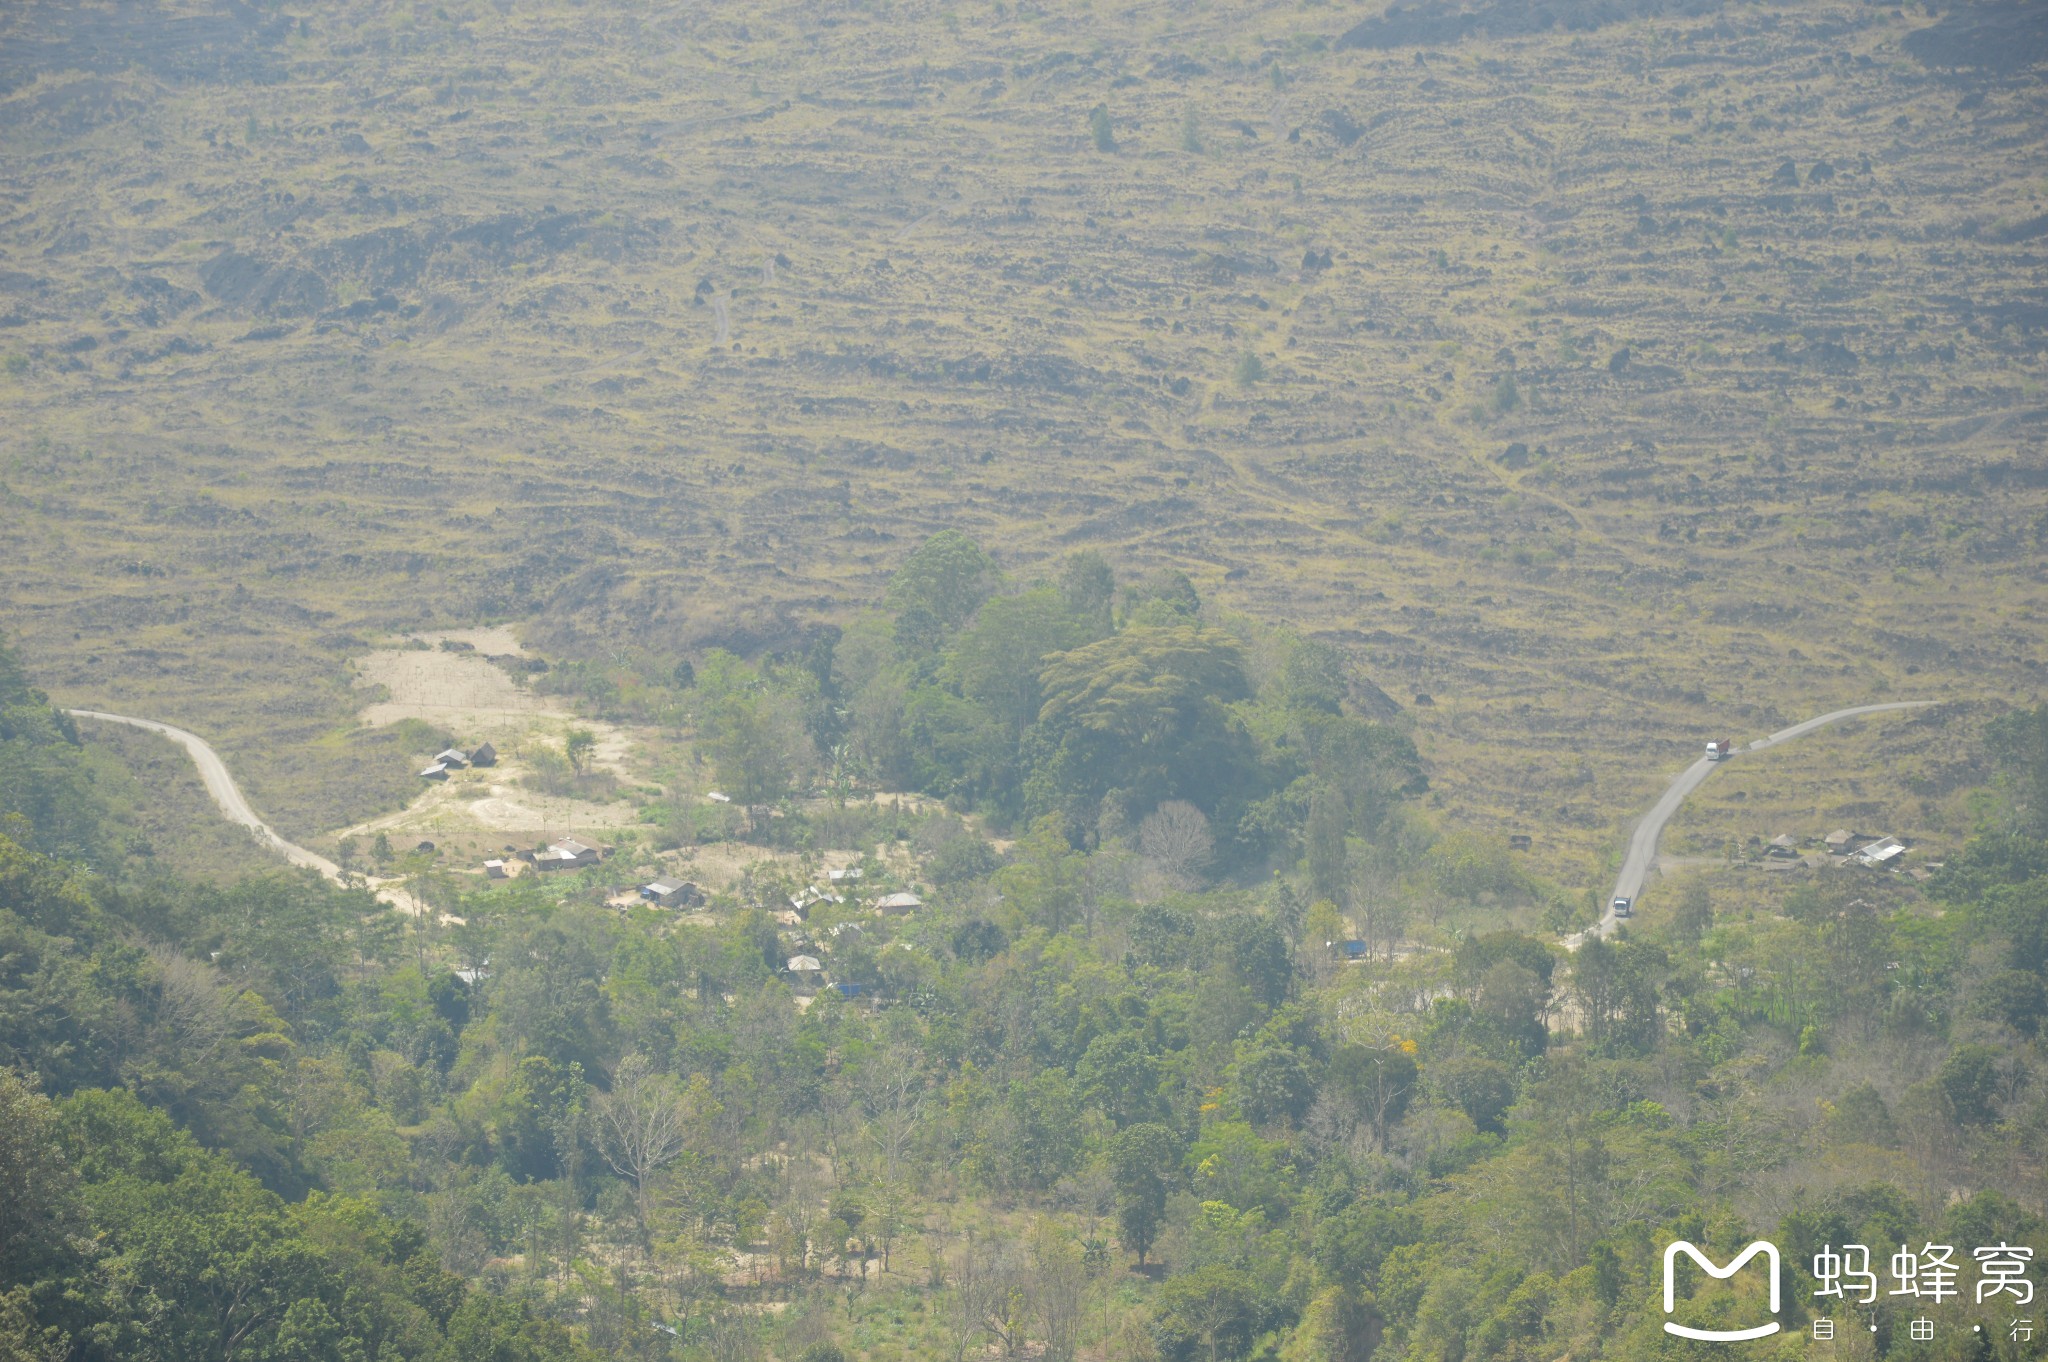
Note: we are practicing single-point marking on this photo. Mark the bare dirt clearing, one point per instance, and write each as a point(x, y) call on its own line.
point(473, 699)
point(467, 696)
point(454, 811)
point(444, 686)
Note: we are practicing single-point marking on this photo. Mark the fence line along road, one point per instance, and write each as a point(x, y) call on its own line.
point(235, 807)
point(1642, 843)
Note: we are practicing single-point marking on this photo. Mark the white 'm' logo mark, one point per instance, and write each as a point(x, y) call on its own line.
point(1770, 1253)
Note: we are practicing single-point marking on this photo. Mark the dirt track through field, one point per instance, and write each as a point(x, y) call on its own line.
point(234, 806)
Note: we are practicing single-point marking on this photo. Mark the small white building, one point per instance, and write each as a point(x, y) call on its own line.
point(898, 903)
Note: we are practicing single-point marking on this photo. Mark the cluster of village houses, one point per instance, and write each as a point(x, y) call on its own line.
point(567, 854)
point(803, 970)
point(1840, 847)
point(807, 973)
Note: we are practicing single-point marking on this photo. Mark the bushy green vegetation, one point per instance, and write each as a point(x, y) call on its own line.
point(1090, 1101)
point(42, 779)
point(1054, 702)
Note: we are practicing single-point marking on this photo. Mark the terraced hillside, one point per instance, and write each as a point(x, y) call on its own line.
point(1606, 373)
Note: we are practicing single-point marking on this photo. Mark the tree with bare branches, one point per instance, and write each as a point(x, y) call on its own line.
point(1175, 838)
point(892, 1092)
point(643, 1124)
point(1057, 1280)
point(191, 1010)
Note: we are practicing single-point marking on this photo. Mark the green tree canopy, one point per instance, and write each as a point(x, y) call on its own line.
point(2018, 741)
point(43, 774)
point(1147, 711)
point(938, 588)
point(996, 661)
point(1142, 1161)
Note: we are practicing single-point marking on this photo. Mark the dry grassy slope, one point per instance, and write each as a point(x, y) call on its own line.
point(1908, 771)
point(161, 820)
point(405, 316)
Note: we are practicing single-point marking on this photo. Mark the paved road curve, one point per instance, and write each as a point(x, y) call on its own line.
point(233, 805)
point(1642, 843)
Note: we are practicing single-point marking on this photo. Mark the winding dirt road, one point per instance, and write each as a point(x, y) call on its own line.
point(235, 807)
point(1642, 843)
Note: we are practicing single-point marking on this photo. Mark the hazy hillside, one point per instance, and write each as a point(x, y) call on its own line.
point(967, 681)
point(1605, 372)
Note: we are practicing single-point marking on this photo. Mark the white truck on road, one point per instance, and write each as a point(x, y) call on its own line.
point(1720, 749)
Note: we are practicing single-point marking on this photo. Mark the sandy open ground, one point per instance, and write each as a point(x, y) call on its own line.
point(459, 690)
point(474, 700)
point(469, 696)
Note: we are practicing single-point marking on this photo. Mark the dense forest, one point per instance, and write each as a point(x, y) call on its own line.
point(1204, 1044)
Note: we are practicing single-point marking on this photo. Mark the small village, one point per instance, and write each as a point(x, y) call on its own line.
point(1022, 682)
point(808, 943)
point(1841, 847)
point(818, 918)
